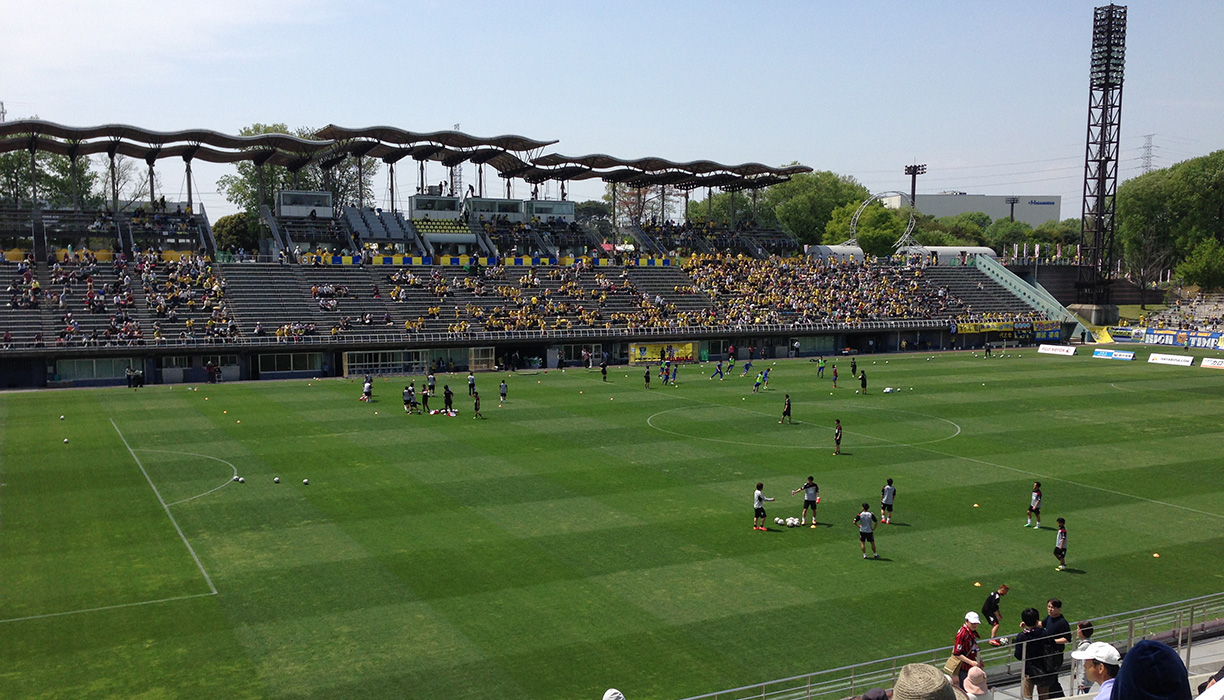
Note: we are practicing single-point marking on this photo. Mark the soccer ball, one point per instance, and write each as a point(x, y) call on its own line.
point(778, 521)
point(235, 477)
point(61, 418)
point(65, 441)
point(276, 479)
point(241, 480)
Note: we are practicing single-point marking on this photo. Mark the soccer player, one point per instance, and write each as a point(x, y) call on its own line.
point(647, 376)
point(471, 383)
point(786, 416)
point(820, 366)
point(758, 507)
point(990, 610)
point(675, 369)
point(866, 521)
point(863, 380)
point(408, 400)
point(811, 496)
point(502, 390)
point(603, 369)
point(1060, 544)
point(747, 367)
point(765, 377)
point(837, 431)
point(718, 371)
point(431, 383)
point(887, 494)
point(853, 367)
point(448, 398)
point(476, 407)
point(367, 391)
point(425, 400)
point(1034, 509)
point(756, 385)
point(834, 376)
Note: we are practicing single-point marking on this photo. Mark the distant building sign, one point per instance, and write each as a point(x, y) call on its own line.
point(1034, 202)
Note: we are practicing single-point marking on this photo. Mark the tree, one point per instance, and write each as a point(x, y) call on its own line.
point(1204, 266)
point(640, 205)
point(236, 231)
point(1003, 233)
point(969, 227)
point(878, 227)
point(592, 207)
point(342, 180)
point(54, 176)
point(804, 205)
point(1065, 232)
point(1144, 227)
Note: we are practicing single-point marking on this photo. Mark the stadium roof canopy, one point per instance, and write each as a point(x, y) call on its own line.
point(644, 172)
point(148, 145)
point(510, 155)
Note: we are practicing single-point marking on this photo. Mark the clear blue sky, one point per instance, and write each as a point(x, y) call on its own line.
point(991, 95)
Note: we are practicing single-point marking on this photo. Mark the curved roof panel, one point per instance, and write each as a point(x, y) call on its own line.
point(451, 139)
point(653, 164)
point(126, 132)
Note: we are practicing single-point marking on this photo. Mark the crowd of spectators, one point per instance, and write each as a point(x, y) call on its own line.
point(810, 291)
point(1203, 312)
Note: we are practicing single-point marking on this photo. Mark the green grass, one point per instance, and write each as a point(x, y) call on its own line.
point(584, 536)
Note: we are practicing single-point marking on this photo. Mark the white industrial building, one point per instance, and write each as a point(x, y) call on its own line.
point(1033, 210)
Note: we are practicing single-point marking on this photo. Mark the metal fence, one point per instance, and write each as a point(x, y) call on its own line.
point(1180, 625)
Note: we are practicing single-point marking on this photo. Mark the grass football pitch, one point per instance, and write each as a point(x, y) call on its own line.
point(585, 535)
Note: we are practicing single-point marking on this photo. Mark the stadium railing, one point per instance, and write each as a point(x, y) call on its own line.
point(1035, 297)
point(1180, 624)
point(323, 337)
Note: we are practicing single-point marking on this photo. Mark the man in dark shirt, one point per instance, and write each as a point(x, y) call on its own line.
point(1060, 633)
point(1035, 648)
point(448, 397)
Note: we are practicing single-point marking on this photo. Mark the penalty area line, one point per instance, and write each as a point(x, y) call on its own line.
point(106, 607)
point(212, 588)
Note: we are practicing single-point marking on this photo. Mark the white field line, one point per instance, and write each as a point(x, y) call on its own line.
point(106, 607)
point(166, 508)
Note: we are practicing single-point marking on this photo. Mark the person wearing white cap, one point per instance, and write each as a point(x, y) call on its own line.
point(1101, 664)
point(965, 648)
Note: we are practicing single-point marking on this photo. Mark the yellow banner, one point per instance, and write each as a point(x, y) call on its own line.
point(656, 353)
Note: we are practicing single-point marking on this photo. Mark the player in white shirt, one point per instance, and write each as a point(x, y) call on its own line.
point(866, 521)
point(811, 496)
point(887, 494)
point(758, 506)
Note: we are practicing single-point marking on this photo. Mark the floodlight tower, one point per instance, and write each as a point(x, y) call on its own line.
point(1097, 256)
point(914, 171)
point(1011, 203)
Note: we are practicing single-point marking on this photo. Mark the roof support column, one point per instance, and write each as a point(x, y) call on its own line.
point(190, 201)
point(360, 182)
point(391, 184)
point(74, 171)
point(709, 204)
point(114, 178)
point(480, 178)
point(33, 176)
point(262, 199)
point(686, 205)
point(152, 187)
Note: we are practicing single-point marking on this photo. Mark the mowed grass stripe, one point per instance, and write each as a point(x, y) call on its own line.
point(522, 542)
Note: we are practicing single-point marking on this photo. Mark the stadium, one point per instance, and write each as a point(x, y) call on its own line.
point(249, 469)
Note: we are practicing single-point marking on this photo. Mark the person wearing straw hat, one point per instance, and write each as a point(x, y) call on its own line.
point(923, 682)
